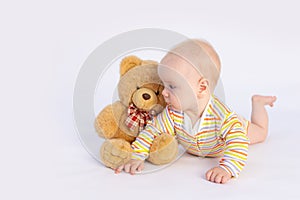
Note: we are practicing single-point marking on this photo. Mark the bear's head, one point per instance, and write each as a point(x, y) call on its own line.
point(140, 85)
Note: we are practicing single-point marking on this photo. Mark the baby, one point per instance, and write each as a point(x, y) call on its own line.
point(200, 121)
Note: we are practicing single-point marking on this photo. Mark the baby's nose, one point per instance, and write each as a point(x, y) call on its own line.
point(165, 93)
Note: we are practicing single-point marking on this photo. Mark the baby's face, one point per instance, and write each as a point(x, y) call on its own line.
point(180, 81)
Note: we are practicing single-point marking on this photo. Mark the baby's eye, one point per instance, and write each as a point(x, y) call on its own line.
point(172, 87)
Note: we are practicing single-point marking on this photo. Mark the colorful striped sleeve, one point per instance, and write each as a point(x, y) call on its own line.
point(236, 141)
point(162, 123)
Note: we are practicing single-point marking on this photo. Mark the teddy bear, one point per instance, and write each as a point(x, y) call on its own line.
point(140, 99)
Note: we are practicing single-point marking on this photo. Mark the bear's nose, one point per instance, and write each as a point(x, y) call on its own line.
point(146, 96)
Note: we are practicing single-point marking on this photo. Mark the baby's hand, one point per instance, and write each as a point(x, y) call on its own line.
point(131, 167)
point(218, 175)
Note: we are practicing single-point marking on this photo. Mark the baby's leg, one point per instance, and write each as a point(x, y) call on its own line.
point(258, 128)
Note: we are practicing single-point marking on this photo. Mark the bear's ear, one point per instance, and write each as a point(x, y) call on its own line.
point(128, 63)
point(149, 62)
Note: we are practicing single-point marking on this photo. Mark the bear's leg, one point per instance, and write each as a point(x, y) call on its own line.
point(115, 152)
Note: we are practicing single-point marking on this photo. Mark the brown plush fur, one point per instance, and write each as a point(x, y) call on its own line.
point(137, 78)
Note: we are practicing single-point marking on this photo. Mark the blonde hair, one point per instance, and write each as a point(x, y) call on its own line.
point(203, 57)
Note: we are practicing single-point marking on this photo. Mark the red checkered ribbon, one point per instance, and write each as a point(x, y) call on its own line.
point(136, 117)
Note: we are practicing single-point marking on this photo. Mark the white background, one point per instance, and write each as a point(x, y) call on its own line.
point(43, 45)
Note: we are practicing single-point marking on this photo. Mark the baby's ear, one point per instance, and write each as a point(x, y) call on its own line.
point(203, 85)
point(128, 63)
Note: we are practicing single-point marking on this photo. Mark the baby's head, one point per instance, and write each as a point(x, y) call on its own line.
point(190, 72)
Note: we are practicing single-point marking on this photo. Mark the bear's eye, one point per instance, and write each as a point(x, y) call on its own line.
point(157, 92)
point(137, 87)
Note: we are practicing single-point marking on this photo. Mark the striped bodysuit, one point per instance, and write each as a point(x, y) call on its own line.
point(221, 132)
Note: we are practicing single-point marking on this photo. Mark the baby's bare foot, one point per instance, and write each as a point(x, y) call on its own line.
point(265, 100)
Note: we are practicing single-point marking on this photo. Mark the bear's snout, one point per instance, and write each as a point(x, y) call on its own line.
point(144, 99)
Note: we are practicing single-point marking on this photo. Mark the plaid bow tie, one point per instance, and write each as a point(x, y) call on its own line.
point(136, 117)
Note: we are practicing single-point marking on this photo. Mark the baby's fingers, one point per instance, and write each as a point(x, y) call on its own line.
point(208, 175)
point(127, 167)
point(119, 169)
point(141, 167)
point(134, 168)
point(225, 178)
point(218, 178)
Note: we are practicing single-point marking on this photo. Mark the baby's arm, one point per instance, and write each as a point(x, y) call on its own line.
point(142, 144)
point(235, 154)
point(141, 148)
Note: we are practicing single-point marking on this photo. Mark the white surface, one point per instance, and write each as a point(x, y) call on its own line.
point(43, 45)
